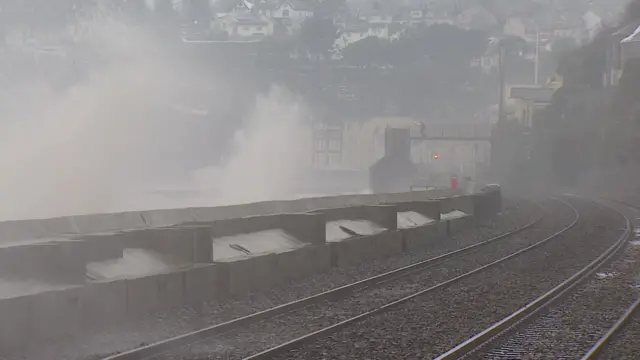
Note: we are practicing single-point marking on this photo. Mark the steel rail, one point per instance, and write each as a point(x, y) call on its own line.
point(296, 343)
point(604, 341)
point(169, 344)
point(616, 328)
point(509, 324)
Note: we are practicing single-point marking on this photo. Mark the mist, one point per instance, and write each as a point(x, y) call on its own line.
point(104, 139)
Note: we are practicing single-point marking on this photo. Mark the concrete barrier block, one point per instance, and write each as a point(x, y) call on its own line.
point(389, 243)
point(443, 228)
point(142, 295)
point(59, 226)
point(159, 218)
point(383, 215)
point(55, 261)
point(104, 303)
point(245, 225)
point(459, 224)
point(56, 314)
point(202, 245)
point(309, 228)
point(199, 235)
point(102, 247)
point(417, 239)
point(170, 290)
point(208, 214)
point(305, 261)
point(25, 261)
point(292, 264)
point(102, 223)
point(302, 262)
point(246, 274)
point(487, 202)
point(201, 283)
point(319, 258)
point(15, 332)
point(340, 254)
point(428, 208)
point(21, 230)
point(138, 239)
point(462, 203)
point(354, 250)
point(36, 229)
point(67, 261)
point(177, 242)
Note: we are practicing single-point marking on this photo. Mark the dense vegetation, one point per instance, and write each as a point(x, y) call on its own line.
point(589, 132)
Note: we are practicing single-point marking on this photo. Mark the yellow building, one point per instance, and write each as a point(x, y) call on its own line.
point(529, 99)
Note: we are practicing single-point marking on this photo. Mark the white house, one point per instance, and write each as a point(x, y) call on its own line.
point(375, 16)
point(245, 25)
point(292, 12)
point(592, 24)
point(352, 34)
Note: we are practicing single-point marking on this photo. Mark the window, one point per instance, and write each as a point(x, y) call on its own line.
point(334, 145)
point(321, 144)
point(334, 159)
point(320, 159)
point(258, 28)
point(416, 14)
point(285, 13)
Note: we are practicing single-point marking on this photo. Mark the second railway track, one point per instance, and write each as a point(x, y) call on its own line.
point(559, 324)
point(247, 337)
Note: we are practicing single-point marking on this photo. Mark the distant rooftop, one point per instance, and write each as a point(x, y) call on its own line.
point(628, 29)
point(634, 37)
point(535, 94)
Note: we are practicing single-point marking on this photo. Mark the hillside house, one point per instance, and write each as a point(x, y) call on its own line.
point(362, 30)
point(244, 26)
point(527, 100)
point(292, 12)
point(476, 18)
point(615, 55)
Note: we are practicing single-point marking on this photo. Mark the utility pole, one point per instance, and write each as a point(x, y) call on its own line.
point(501, 75)
point(536, 70)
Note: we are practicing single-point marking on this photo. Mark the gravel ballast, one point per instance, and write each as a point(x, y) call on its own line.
point(268, 333)
point(97, 344)
point(568, 329)
point(430, 325)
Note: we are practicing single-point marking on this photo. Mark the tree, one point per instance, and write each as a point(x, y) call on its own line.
point(369, 51)
point(330, 8)
point(198, 11)
point(317, 36)
point(632, 12)
point(444, 46)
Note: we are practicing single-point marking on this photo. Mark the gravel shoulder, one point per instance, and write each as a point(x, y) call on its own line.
point(570, 328)
point(625, 288)
point(429, 326)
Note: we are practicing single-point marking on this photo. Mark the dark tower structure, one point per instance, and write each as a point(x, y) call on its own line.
point(395, 171)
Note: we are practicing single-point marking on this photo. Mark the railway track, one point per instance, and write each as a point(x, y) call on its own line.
point(605, 341)
point(539, 328)
point(618, 342)
point(331, 307)
point(427, 327)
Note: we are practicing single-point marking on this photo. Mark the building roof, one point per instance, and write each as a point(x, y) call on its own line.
point(628, 29)
point(535, 94)
point(299, 5)
point(634, 37)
